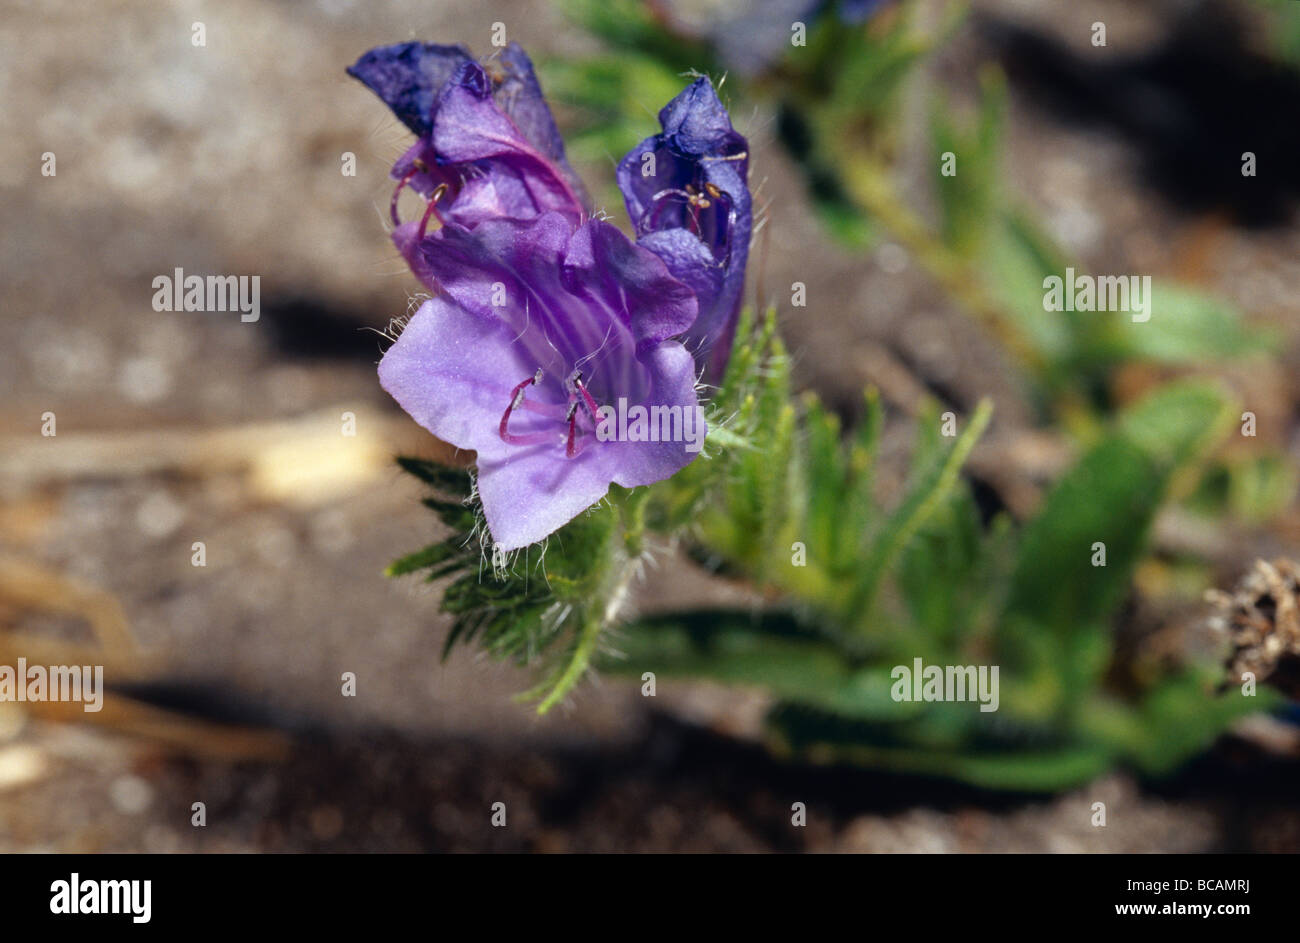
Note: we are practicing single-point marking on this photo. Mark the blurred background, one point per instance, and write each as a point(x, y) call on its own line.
point(178, 428)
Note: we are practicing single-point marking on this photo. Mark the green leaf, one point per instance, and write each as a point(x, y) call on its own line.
point(636, 27)
point(548, 601)
point(1018, 258)
point(1181, 716)
point(821, 738)
point(422, 559)
point(446, 478)
point(1081, 349)
point(769, 650)
point(947, 577)
point(1260, 487)
point(858, 506)
point(925, 496)
point(1110, 497)
point(968, 197)
point(1185, 326)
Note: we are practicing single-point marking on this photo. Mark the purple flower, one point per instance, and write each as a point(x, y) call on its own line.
point(554, 346)
point(488, 146)
point(540, 325)
point(687, 194)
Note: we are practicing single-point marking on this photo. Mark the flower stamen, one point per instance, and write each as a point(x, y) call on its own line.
point(401, 185)
point(587, 401)
point(431, 210)
point(572, 419)
point(695, 201)
point(517, 402)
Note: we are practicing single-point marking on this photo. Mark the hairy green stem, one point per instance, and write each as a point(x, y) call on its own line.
point(593, 625)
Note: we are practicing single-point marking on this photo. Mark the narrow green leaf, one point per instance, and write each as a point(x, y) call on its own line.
point(444, 477)
point(421, 559)
point(1060, 591)
point(922, 501)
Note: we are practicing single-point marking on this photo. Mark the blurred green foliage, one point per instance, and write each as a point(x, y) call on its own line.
point(862, 586)
point(1076, 352)
point(1285, 33)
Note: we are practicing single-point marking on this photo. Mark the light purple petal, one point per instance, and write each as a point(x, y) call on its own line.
point(532, 492)
point(690, 262)
point(453, 372)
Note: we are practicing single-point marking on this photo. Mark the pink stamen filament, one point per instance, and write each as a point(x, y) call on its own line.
point(695, 202)
point(517, 402)
point(431, 210)
point(578, 398)
point(586, 397)
point(401, 184)
point(573, 426)
point(659, 202)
